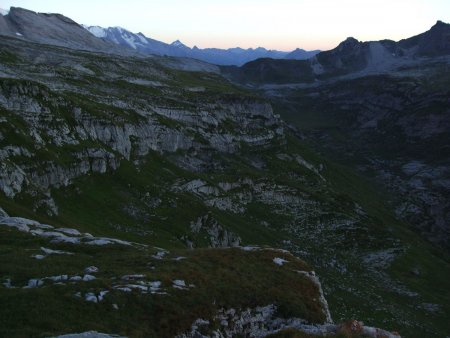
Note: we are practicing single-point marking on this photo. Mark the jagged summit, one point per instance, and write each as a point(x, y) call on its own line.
point(179, 44)
point(56, 29)
point(349, 57)
point(441, 23)
point(230, 56)
point(350, 42)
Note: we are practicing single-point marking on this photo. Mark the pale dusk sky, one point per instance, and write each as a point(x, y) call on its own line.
point(273, 24)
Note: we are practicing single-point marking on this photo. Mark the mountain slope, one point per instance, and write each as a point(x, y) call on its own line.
point(132, 149)
point(53, 29)
point(381, 106)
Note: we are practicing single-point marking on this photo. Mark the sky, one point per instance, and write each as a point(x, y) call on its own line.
point(273, 24)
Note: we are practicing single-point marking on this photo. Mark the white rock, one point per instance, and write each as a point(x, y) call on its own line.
point(155, 284)
point(44, 226)
point(140, 287)
point(55, 252)
point(59, 237)
point(159, 255)
point(102, 295)
point(179, 258)
point(179, 284)
point(58, 278)
point(130, 277)
point(89, 334)
point(91, 269)
point(88, 278)
point(123, 288)
point(90, 297)
point(249, 248)
point(99, 242)
point(38, 257)
point(279, 261)
point(19, 226)
point(34, 283)
point(69, 231)
point(3, 213)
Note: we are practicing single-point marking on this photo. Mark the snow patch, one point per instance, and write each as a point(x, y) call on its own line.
point(96, 31)
point(129, 40)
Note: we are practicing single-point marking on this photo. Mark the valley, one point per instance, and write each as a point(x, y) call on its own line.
point(220, 201)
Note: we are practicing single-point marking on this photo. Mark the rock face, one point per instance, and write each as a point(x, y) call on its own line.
point(218, 236)
point(395, 129)
point(262, 321)
point(96, 140)
point(89, 334)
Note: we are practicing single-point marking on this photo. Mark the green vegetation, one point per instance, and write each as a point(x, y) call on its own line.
point(280, 193)
point(223, 278)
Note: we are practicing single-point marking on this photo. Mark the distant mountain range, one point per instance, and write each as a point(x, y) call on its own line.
point(232, 56)
point(349, 58)
point(56, 29)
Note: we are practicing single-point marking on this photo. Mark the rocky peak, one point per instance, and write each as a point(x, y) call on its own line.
point(440, 23)
point(178, 44)
point(348, 43)
point(434, 42)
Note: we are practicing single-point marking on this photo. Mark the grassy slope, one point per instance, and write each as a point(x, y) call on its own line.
point(96, 204)
point(223, 278)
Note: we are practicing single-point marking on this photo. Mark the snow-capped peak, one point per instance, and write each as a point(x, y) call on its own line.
point(98, 31)
point(178, 43)
point(4, 11)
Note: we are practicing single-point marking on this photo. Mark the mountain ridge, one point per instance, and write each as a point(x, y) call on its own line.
point(54, 29)
point(350, 58)
point(230, 56)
